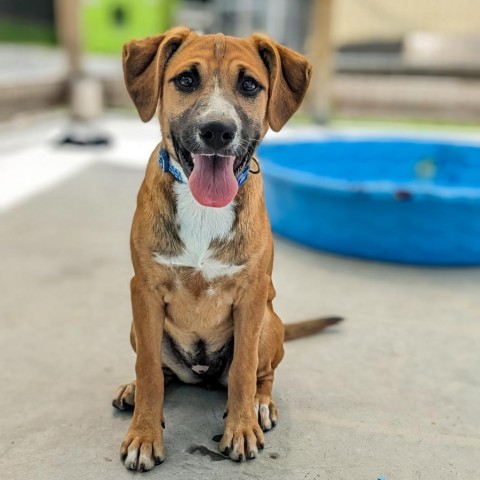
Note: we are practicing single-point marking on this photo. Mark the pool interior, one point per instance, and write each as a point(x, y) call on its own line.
point(400, 161)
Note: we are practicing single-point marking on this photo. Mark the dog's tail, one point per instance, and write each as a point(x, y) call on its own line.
point(308, 327)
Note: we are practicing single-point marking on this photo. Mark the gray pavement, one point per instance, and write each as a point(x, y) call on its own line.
point(34, 78)
point(28, 63)
point(393, 392)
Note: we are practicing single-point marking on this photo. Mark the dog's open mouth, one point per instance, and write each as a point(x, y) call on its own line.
point(212, 178)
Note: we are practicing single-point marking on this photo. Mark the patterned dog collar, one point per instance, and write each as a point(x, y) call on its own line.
point(164, 161)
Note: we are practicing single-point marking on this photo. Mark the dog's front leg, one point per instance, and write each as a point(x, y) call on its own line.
point(142, 448)
point(242, 435)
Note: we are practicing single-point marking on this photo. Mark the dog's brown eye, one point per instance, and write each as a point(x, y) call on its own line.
point(249, 86)
point(186, 82)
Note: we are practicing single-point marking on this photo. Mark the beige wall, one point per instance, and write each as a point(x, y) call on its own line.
point(360, 20)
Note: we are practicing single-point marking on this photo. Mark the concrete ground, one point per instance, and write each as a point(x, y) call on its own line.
point(393, 392)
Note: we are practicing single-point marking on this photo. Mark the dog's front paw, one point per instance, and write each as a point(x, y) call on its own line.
point(142, 450)
point(242, 437)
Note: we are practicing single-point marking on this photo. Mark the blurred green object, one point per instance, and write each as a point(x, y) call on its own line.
point(25, 31)
point(108, 24)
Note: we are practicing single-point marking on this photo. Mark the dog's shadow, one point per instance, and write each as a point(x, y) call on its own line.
point(193, 418)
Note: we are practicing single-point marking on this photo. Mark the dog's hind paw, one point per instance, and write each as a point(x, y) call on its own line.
point(266, 412)
point(124, 398)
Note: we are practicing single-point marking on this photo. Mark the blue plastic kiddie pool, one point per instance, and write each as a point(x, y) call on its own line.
point(394, 199)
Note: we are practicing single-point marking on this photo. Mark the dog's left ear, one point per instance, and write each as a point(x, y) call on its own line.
point(143, 64)
point(290, 75)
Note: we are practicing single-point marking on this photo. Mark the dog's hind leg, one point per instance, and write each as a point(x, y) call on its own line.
point(270, 355)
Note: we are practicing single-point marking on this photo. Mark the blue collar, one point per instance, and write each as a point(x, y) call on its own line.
point(164, 161)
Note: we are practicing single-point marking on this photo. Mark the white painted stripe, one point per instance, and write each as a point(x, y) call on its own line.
point(31, 162)
point(28, 172)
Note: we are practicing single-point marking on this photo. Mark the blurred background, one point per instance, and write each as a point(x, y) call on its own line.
point(374, 59)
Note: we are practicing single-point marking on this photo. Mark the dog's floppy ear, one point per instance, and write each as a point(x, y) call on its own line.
point(290, 75)
point(143, 65)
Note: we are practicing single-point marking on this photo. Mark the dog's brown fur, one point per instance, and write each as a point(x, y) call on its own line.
point(178, 301)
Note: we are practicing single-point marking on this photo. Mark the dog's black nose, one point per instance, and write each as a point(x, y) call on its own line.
point(217, 134)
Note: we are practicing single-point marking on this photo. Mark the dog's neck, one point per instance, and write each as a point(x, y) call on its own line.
point(187, 233)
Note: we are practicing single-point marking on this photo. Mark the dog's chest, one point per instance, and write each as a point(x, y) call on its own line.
point(198, 227)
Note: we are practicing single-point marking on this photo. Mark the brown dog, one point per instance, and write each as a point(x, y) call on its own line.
point(201, 243)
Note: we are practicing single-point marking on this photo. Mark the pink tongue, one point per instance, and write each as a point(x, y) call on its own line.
point(212, 181)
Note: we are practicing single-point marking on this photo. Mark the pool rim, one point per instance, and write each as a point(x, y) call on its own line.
point(379, 189)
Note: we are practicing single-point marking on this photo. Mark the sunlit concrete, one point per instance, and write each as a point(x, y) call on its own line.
point(392, 392)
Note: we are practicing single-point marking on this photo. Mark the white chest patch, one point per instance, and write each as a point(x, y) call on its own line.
point(200, 225)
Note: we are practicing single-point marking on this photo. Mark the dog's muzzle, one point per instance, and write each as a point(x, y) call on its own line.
point(212, 181)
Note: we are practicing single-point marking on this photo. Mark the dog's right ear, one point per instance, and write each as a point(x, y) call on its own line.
point(144, 62)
